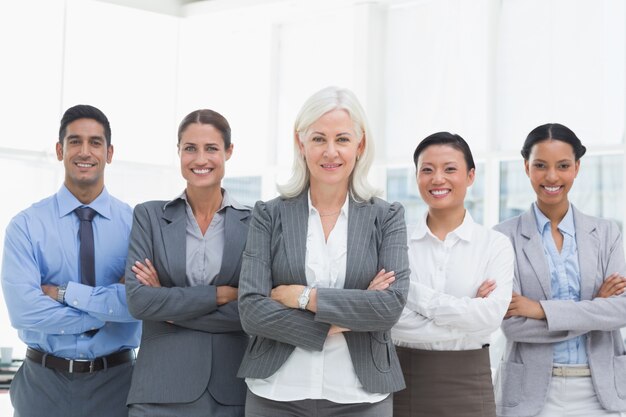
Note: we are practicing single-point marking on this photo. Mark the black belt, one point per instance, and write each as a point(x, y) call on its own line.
point(81, 366)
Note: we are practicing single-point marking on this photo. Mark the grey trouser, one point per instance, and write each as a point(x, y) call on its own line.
point(205, 406)
point(262, 407)
point(42, 392)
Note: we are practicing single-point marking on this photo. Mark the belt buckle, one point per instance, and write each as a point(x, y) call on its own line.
point(71, 369)
point(91, 366)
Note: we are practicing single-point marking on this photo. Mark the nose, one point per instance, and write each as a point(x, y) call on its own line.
point(551, 175)
point(202, 156)
point(331, 149)
point(438, 177)
point(84, 148)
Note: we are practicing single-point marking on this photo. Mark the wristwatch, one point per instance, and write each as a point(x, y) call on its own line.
point(303, 300)
point(61, 293)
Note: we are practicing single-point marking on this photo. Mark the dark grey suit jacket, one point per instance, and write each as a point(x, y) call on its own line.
point(204, 346)
point(275, 254)
point(523, 377)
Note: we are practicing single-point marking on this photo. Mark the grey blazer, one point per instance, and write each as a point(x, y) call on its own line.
point(204, 346)
point(523, 377)
point(275, 254)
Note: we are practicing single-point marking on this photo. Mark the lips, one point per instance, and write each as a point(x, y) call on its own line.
point(331, 166)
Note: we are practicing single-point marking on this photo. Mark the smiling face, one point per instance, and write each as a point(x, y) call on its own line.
point(443, 178)
point(84, 153)
point(330, 147)
point(552, 168)
point(203, 156)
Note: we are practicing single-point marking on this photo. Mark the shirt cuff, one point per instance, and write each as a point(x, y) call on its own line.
point(419, 298)
point(77, 295)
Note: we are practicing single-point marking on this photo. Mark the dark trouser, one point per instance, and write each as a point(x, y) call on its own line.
point(262, 407)
point(445, 383)
point(42, 392)
point(205, 406)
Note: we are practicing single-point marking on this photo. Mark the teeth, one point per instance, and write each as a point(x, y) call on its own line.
point(552, 189)
point(201, 171)
point(330, 165)
point(83, 165)
point(439, 192)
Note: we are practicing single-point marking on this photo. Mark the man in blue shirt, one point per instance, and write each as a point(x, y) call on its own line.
point(64, 287)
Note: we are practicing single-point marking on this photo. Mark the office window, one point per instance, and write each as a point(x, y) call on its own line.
point(401, 186)
point(598, 189)
point(246, 190)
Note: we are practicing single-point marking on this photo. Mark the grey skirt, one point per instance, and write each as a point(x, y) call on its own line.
point(445, 383)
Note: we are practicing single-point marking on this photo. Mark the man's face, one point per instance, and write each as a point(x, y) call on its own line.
point(84, 153)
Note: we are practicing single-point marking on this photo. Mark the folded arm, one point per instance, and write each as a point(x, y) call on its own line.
point(365, 310)
point(260, 314)
point(160, 303)
point(469, 315)
point(29, 307)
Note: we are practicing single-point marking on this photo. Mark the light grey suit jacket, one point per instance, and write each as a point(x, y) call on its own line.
point(204, 346)
point(275, 255)
point(524, 375)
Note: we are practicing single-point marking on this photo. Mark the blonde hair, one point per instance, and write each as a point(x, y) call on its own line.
point(320, 103)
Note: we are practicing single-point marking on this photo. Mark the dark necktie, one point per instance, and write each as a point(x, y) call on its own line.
point(85, 233)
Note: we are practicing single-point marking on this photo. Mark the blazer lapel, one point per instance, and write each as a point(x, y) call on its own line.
point(175, 241)
point(587, 244)
point(235, 232)
point(294, 214)
point(361, 218)
point(535, 255)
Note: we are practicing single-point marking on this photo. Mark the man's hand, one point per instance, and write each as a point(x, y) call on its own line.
point(51, 291)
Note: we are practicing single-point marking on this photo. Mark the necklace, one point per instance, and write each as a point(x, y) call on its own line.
point(329, 214)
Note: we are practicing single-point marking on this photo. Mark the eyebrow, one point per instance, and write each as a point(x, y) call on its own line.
point(338, 134)
point(79, 136)
point(559, 161)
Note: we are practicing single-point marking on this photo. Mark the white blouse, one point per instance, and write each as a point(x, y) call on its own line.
point(442, 311)
point(328, 374)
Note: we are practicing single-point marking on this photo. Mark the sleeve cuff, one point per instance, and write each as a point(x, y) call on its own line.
point(419, 298)
point(77, 295)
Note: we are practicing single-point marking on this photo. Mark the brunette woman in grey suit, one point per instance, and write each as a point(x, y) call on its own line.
point(182, 276)
point(565, 355)
point(320, 339)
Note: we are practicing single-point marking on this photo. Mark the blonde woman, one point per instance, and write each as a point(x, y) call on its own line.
point(320, 339)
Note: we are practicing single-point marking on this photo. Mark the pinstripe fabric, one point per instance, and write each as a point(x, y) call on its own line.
point(275, 254)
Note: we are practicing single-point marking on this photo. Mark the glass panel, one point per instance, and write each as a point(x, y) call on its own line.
point(597, 191)
point(246, 190)
point(401, 187)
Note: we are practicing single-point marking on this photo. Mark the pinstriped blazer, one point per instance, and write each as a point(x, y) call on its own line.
point(275, 255)
point(523, 377)
point(203, 348)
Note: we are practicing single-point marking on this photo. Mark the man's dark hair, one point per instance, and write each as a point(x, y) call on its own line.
point(84, 111)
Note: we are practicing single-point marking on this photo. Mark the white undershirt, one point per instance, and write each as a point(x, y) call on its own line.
point(442, 311)
point(328, 374)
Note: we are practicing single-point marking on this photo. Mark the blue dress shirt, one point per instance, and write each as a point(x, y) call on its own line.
point(565, 279)
point(42, 247)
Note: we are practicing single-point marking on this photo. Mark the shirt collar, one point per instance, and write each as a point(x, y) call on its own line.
point(344, 209)
point(566, 225)
point(227, 201)
point(67, 202)
point(463, 232)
